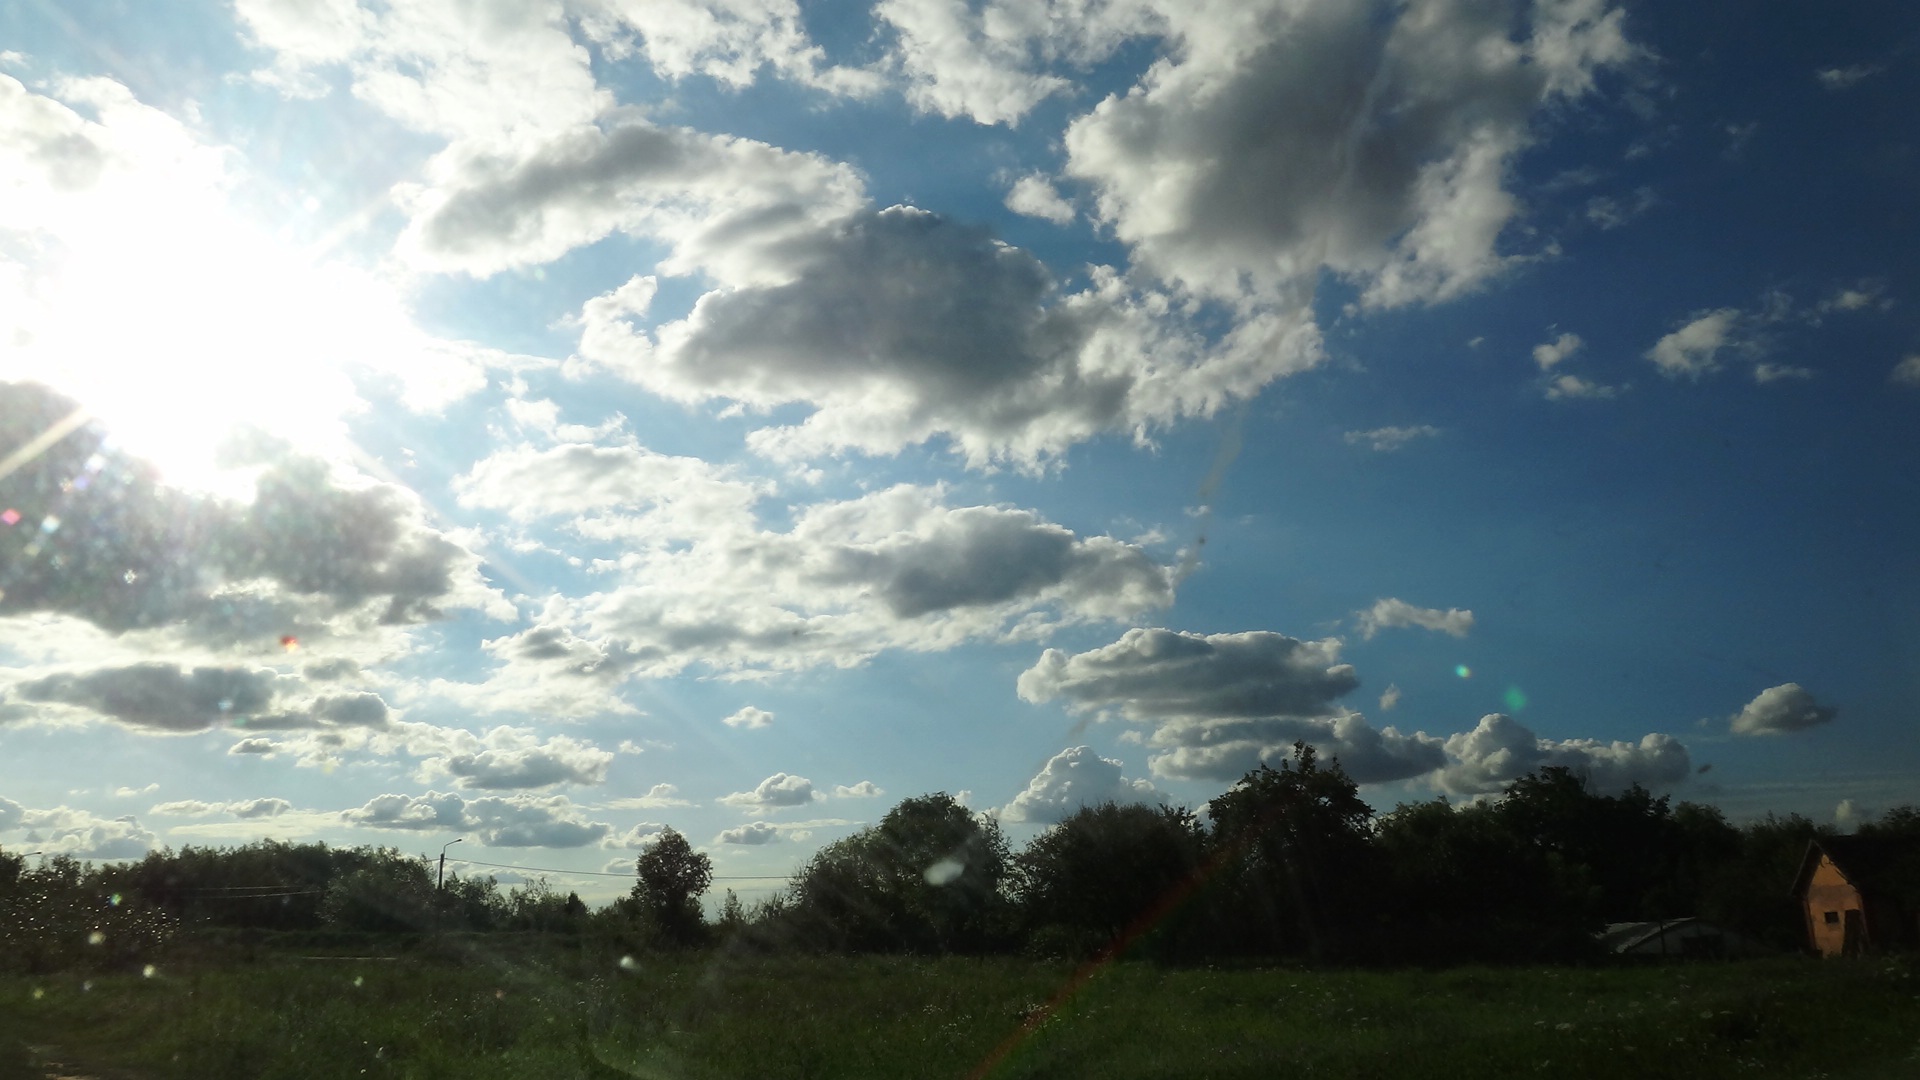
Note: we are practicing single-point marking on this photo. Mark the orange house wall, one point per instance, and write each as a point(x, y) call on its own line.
point(1829, 890)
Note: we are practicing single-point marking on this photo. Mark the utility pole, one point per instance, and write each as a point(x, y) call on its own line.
point(441, 881)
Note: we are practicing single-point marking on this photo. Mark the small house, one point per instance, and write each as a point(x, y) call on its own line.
point(1861, 894)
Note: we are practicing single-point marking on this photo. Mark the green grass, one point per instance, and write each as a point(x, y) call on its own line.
point(540, 1013)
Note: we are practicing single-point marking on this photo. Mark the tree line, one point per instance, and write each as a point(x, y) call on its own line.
point(1287, 864)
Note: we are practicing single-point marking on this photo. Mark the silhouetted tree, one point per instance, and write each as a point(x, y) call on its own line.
point(1301, 837)
point(672, 878)
point(928, 878)
point(1090, 877)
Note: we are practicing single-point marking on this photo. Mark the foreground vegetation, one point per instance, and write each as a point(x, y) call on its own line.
point(473, 1009)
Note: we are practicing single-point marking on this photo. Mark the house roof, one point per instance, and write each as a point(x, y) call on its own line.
point(1872, 864)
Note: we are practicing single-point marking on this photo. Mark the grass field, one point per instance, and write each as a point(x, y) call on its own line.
point(547, 1013)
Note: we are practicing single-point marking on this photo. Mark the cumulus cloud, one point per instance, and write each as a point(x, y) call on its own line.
point(1221, 704)
point(729, 41)
point(1071, 779)
point(1389, 613)
point(82, 834)
point(1390, 697)
point(502, 758)
point(865, 789)
point(749, 717)
point(1576, 388)
point(894, 569)
point(752, 833)
point(1906, 372)
point(778, 790)
point(624, 492)
point(160, 696)
point(1034, 196)
point(244, 809)
point(1152, 673)
point(1693, 350)
point(313, 548)
point(1548, 354)
point(1388, 439)
point(899, 325)
point(496, 821)
point(988, 62)
point(433, 65)
point(720, 202)
point(1499, 750)
point(1381, 154)
point(659, 796)
point(1783, 708)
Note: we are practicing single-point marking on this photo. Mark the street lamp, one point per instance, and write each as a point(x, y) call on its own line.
point(442, 880)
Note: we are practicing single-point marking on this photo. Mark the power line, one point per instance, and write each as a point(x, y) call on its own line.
point(606, 873)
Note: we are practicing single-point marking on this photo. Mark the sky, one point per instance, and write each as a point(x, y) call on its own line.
point(541, 423)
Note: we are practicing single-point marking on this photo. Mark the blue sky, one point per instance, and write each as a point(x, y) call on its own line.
point(541, 423)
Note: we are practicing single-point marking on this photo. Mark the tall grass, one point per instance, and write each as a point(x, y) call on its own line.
point(479, 1014)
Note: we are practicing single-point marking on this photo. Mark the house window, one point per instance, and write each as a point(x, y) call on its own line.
point(1833, 918)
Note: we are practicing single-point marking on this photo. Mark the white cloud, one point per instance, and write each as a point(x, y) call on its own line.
point(244, 809)
point(1766, 373)
point(658, 797)
point(640, 837)
point(1575, 388)
point(752, 833)
point(495, 821)
point(1388, 439)
point(624, 492)
point(865, 789)
point(1610, 213)
point(1499, 750)
point(1841, 78)
point(986, 63)
point(1394, 179)
point(749, 717)
point(1692, 350)
point(1390, 697)
point(778, 790)
point(729, 41)
point(1783, 708)
point(1552, 352)
point(505, 73)
point(1906, 372)
point(1389, 613)
point(134, 792)
point(895, 569)
point(1034, 196)
point(82, 834)
point(1071, 779)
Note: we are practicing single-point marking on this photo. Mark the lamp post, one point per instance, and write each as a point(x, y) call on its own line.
point(441, 881)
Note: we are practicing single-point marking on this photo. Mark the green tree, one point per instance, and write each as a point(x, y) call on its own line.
point(1093, 876)
point(929, 878)
point(1301, 840)
point(672, 878)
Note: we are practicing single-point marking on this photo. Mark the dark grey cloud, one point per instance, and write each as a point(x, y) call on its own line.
point(1222, 704)
point(160, 696)
point(1153, 674)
